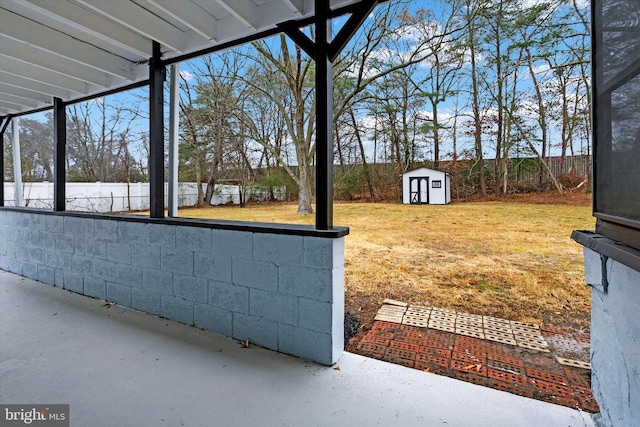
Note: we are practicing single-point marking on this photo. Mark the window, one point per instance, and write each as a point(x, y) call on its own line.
point(616, 103)
point(436, 184)
point(31, 159)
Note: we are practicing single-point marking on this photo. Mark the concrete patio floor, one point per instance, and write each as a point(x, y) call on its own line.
point(118, 367)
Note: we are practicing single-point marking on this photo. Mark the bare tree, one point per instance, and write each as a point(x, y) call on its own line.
point(97, 132)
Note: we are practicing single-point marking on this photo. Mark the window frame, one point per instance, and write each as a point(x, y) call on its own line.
point(617, 228)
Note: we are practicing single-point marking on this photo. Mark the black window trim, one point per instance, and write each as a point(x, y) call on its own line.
point(617, 228)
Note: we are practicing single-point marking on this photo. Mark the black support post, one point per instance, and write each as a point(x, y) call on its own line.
point(60, 154)
point(324, 118)
point(157, 74)
point(4, 122)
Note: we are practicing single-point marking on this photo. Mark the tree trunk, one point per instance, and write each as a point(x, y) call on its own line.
point(304, 190)
point(436, 134)
point(543, 163)
point(199, 185)
point(365, 166)
point(476, 110)
point(211, 185)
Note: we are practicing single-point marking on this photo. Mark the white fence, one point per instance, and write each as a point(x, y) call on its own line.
point(118, 197)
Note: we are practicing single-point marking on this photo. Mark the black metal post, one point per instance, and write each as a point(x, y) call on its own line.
point(4, 122)
point(60, 154)
point(324, 119)
point(157, 74)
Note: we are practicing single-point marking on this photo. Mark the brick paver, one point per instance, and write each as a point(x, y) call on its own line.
point(530, 371)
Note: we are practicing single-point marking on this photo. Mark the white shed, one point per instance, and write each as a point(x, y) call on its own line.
point(425, 186)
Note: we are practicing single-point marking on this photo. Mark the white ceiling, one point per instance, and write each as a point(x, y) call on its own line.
point(71, 49)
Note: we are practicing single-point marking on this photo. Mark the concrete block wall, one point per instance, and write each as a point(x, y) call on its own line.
point(615, 340)
point(281, 291)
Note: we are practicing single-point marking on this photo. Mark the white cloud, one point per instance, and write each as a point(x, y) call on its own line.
point(188, 76)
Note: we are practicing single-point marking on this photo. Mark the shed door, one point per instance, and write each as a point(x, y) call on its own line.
point(419, 190)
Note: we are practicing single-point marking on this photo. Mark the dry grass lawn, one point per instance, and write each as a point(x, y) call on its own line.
point(511, 259)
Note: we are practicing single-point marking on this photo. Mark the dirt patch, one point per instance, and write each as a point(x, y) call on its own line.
point(350, 327)
point(363, 308)
point(571, 197)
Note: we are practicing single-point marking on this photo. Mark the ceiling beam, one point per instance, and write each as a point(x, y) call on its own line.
point(140, 20)
point(191, 15)
point(42, 58)
point(10, 106)
point(19, 28)
point(296, 6)
point(42, 75)
point(24, 93)
point(87, 22)
point(243, 11)
point(45, 89)
point(25, 102)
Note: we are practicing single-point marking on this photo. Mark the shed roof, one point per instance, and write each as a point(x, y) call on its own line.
point(414, 171)
point(74, 49)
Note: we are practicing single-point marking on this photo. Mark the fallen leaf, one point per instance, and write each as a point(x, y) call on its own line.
point(108, 305)
point(476, 366)
point(337, 368)
point(245, 343)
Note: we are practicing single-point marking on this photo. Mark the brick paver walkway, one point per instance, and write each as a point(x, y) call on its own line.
point(543, 363)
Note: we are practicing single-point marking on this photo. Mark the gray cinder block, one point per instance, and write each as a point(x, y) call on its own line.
point(280, 249)
point(78, 226)
point(234, 244)
point(119, 252)
point(162, 235)
point(309, 282)
point(119, 294)
point(229, 296)
point(176, 261)
point(315, 315)
point(146, 256)
point(176, 309)
point(213, 319)
point(196, 239)
point(257, 330)
point(95, 287)
point(106, 229)
point(146, 301)
point(133, 232)
point(104, 269)
point(46, 274)
point(212, 267)
point(255, 274)
point(191, 288)
point(73, 282)
point(157, 281)
point(276, 306)
point(130, 275)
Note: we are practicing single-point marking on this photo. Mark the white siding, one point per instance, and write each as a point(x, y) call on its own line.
point(437, 184)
